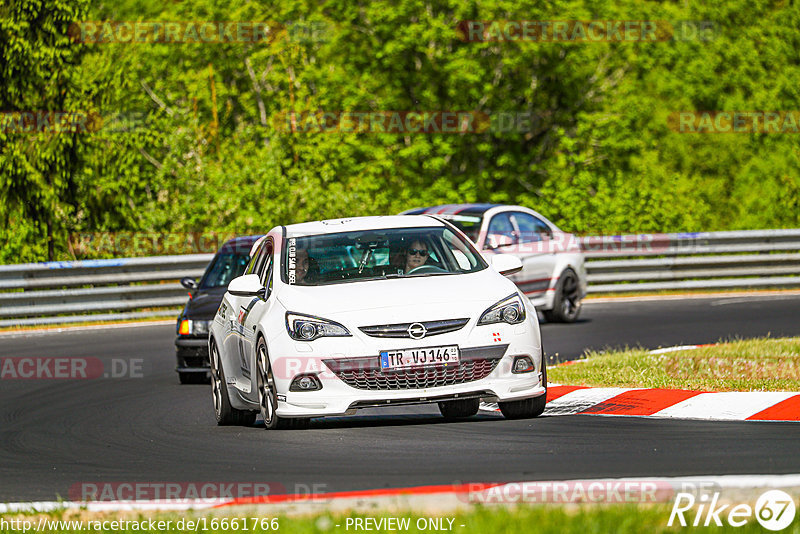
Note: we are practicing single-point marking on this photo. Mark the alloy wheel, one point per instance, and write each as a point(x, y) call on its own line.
point(216, 381)
point(569, 301)
point(266, 387)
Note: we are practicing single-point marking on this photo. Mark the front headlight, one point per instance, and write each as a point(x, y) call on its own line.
point(308, 328)
point(189, 327)
point(510, 310)
point(200, 327)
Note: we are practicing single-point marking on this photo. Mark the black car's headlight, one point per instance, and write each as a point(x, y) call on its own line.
point(190, 327)
point(510, 310)
point(308, 328)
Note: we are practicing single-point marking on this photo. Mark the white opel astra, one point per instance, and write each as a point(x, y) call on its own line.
point(338, 315)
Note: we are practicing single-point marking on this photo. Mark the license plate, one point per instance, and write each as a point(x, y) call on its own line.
point(424, 357)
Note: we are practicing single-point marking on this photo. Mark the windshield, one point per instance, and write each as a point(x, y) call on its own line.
point(375, 254)
point(223, 269)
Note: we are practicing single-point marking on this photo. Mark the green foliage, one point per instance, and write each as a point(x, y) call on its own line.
point(205, 154)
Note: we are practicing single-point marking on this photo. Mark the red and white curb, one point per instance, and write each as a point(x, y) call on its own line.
point(603, 490)
point(671, 403)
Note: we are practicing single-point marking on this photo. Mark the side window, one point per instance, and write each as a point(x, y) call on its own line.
point(501, 232)
point(251, 267)
point(265, 267)
point(530, 228)
point(459, 251)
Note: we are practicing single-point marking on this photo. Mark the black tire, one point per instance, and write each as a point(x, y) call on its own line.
point(459, 408)
point(193, 378)
point(567, 300)
point(268, 395)
point(223, 411)
point(527, 408)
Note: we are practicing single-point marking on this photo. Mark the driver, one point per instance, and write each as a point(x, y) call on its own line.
point(303, 263)
point(416, 255)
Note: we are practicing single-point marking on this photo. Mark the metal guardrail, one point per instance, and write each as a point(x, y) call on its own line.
point(702, 260)
point(69, 291)
point(77, 291)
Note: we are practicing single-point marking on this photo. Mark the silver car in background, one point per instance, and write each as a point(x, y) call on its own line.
point(553, 275)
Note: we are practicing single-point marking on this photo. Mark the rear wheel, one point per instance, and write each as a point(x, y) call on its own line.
point(224, 412)
point(527, 408)
point(268, 395)
point(567, 300)
point(459, 408)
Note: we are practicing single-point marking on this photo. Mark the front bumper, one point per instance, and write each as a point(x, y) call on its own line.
point(489, 390)
point(352, 383)
point(191, 354)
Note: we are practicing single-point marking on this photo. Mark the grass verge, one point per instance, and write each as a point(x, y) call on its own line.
point(764, 364)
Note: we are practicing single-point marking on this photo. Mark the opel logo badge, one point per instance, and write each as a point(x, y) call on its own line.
point(417, 331)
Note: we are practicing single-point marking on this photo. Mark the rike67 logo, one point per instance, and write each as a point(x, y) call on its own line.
point(774, 510)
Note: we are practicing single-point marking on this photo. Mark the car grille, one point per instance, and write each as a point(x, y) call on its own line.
point(366, 374)
point(400, 330)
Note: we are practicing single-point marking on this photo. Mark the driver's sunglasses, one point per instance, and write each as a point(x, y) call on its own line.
point(417, 251)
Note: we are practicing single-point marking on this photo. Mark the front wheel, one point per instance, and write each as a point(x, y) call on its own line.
point(527, 408)
point(268, 395)
point(524, 409)
point(459, 408)
point(567, 300)
point(224, 412)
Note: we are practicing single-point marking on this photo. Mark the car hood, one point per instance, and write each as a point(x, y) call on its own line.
point(402, 299)
point(204, 303)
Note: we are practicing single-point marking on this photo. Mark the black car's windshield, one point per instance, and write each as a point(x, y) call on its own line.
point(388, 253)
point(223, 269)
point(469, 224)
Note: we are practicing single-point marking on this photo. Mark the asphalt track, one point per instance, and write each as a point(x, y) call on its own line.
point(55, 434)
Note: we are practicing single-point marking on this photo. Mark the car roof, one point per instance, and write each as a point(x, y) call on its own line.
point(453, 209)
point(355, 224)
point(239, 245)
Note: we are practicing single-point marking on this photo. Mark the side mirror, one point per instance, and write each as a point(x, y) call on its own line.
point(495, 241)
point(189, 283)
point(248, 285)
point(506, 264)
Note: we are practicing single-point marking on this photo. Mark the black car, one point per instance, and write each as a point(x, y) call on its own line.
point(191, 345)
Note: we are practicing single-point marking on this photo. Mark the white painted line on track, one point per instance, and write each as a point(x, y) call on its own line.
point(675, 349)
point(68, 329)
point(737, 296)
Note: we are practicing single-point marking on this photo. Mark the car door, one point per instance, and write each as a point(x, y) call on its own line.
point(534, 249)
point(234, 311)
point(239, 374)
point(255, 310)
